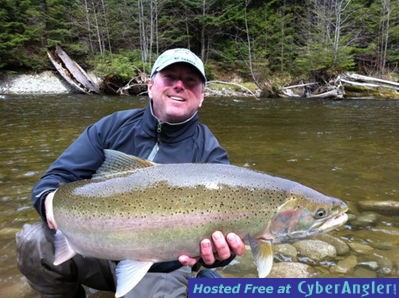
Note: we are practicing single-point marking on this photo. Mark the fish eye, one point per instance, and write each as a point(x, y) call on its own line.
point(320, 213)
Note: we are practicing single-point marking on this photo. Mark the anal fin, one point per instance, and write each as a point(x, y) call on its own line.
point(63, 250)
point(128, 275)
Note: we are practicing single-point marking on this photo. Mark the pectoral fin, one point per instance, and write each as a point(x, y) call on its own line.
point(128, 275)
point(263, 255)
point(63, 250)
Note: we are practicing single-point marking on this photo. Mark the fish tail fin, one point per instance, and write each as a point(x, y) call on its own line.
point(263, 255)
point(63, 250)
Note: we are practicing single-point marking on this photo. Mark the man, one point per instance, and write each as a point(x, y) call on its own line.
point(167, 131)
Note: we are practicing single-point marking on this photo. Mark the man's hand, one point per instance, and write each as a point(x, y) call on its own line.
point(48, 205)
point(220, 248)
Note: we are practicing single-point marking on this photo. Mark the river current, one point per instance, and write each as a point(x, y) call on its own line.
point(347, 149)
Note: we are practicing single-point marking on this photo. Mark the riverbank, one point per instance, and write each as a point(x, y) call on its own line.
point(50, 82)
point(47, 82)
point(345, 86)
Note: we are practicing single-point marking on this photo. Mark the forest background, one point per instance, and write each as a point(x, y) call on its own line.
point(256, 40)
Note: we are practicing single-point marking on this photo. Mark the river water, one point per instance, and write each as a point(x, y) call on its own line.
point(347, 149)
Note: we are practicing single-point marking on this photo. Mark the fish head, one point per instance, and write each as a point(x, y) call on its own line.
point(305, 213)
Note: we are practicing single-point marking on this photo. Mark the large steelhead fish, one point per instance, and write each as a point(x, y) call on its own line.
point(141, 213)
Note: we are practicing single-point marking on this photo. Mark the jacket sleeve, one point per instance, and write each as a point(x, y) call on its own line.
point(79, 161)
point(211, 150)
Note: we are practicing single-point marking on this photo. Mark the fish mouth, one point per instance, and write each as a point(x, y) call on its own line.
point(331, 223)
point(319, 227)
point(338, 218)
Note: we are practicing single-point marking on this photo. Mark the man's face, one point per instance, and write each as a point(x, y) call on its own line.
point(177, 92)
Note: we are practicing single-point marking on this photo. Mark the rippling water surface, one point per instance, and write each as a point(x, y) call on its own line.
point(347, 149)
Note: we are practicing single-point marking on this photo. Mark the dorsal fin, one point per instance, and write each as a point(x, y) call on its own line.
point(117, 162)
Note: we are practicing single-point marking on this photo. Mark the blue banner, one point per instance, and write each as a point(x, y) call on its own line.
point(294, 287)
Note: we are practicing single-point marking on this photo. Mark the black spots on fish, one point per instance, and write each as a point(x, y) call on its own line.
point(251, 205)
point(275, 196)
point(183, 212)
point(74, 208)
point(108, 208)
point(170, 208)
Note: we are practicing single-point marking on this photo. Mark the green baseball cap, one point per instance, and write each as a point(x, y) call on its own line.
point(177, 55)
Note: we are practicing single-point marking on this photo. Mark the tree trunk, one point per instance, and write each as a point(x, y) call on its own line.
point(203, 28)
point(88, 24)
point(249, 45)
point(383, 36)
point(105, 17)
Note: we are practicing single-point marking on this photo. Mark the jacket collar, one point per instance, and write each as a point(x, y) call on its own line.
point(168, 132)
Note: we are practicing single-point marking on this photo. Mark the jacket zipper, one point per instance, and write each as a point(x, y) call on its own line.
point(155, 149)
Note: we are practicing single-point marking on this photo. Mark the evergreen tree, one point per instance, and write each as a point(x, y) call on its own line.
point(21, 32)
point(254, 38)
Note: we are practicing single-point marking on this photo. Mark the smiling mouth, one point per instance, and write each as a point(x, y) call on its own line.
point(177, 98)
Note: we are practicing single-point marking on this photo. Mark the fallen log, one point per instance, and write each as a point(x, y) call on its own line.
point(364, 86)
point(114, 84)
point(135, 86)
point(333, 93)
point(360, 84)
point(71, 71)
point(300, 85)
point(132, 87)
point(352, 78)
point(288, 92)
point(345, 85)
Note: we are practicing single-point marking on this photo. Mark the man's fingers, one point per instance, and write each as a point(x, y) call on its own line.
point(221, 246)
point(187, 261)
point(48, 204)
point(236, 244)
point(207, 254)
